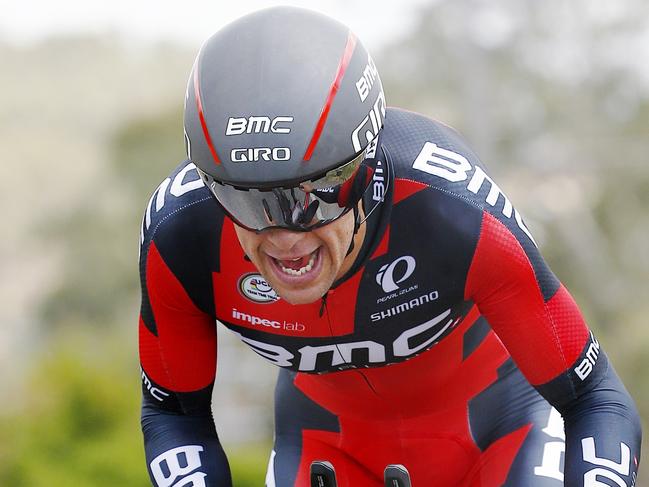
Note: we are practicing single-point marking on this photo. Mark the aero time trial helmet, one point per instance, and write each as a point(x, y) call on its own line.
point(281, 106)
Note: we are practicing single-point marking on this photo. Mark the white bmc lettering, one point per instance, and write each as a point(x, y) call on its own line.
point(455, 167)
point(607, 469)
point(553, 451)
point(273, 353)
point(178, 188)
point(341, 353)
point(378, 182)
point(585, 367)
point(260, 154)
point(365, 83)
point(370, 124)
point(189, 456)
point(157, 393)
point(188, 144)
point(402, 347)
point(270, 471)
point(257, 125)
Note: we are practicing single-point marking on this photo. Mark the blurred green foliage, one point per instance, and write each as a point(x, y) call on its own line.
point(80, 426)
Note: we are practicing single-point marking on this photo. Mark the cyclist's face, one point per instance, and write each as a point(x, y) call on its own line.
point(302, 266)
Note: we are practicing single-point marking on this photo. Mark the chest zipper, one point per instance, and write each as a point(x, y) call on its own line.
point(323, 304)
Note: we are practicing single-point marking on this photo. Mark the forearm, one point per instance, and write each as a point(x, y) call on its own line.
point(603, 436)
point(603, 432)
point(182, 448)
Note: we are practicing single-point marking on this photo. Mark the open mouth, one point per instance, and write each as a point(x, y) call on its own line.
point(299, 266)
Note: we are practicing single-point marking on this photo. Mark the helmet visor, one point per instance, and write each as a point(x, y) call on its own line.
point(308, 205)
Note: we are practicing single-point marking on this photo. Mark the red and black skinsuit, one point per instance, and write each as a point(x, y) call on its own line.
point(449, 347)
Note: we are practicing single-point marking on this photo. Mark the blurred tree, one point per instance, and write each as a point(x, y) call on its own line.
point(100, 280)
point(78, 429)
point(81, 426)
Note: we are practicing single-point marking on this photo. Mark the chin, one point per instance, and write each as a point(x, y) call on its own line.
point(302, 296)
point(299, 291)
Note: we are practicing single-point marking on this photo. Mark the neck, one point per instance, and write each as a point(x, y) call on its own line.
point(357, 239)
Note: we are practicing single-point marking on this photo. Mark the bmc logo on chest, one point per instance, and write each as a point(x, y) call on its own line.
point(341, 354)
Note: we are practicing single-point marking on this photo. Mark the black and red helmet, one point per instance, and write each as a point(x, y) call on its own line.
point(284, 98)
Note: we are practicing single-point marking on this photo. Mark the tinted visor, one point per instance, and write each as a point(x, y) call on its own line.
point(310, 204)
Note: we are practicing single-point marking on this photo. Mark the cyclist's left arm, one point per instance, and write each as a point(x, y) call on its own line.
point(543, 329)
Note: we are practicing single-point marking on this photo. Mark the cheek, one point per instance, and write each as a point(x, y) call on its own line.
point(247, 239)
point(338, 242)
point(343, 241)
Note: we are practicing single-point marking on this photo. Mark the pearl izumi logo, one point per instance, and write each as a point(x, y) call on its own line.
point(389, 277)
point(256, 289)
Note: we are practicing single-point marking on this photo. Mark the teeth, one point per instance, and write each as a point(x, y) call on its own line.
point(301, 270)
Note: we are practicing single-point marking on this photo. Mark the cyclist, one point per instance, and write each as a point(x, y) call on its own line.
point(366, 252)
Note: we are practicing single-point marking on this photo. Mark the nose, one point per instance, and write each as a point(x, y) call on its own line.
point(284, 240)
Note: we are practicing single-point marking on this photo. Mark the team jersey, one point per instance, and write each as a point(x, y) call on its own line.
point(447, 306)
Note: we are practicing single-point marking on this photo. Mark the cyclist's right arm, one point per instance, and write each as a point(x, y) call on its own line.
point(177, 342)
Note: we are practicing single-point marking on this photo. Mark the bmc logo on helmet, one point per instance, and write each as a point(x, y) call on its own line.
point(365, 83)
point(257, 125)
point(260, 154)
point(385, 276)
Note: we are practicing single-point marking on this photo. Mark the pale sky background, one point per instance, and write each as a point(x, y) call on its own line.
point(190, 22)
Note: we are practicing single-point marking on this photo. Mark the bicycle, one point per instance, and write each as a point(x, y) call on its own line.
point(323, 474)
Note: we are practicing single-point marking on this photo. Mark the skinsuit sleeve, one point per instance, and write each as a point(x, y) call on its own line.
point(526, 305)
point(177, 343)
point(538, 321)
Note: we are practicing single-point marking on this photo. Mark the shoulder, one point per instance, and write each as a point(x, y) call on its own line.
point(180, 237)
point(181, 219)
point(177, 205)
point(427, 154)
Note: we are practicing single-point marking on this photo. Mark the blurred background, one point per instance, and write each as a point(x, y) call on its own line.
point(553, 95)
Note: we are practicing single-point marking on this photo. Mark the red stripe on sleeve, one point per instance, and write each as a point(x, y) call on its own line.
point(543, 338)
point(182, 357)
point(403, 188)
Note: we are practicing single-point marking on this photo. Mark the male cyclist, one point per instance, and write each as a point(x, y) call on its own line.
point(364, 251)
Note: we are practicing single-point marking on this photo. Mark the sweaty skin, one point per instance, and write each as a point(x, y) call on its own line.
point(319, 256)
